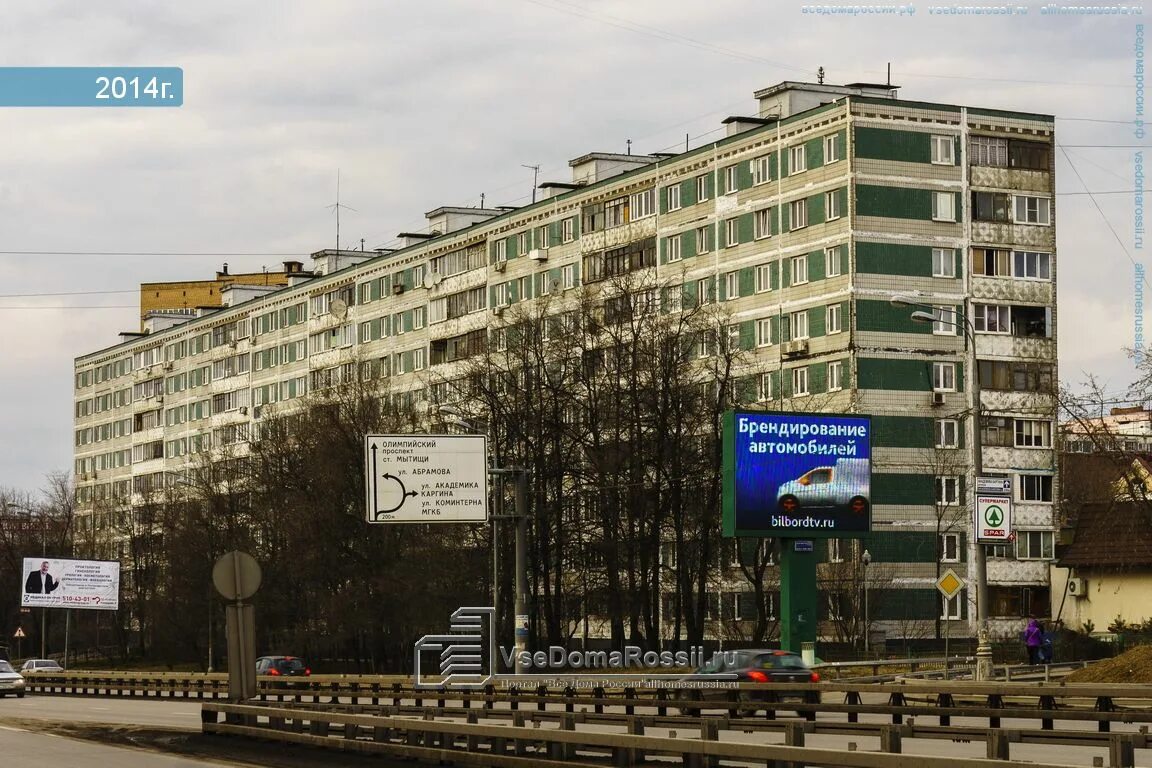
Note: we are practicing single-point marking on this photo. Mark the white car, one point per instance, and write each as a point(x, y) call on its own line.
point(41, 665)
point(841, 485)
point(10, 681)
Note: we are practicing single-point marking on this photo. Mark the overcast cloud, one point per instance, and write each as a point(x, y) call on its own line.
point(433, 102)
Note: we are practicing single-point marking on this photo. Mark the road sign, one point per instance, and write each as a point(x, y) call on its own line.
point(237, 576)
point(19, 633)
point(993, 519)
point(994, 486)
point(802, 545)
point(426, 478)
point(949, 583)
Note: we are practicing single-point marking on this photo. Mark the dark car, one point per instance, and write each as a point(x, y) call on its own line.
point(282, 666)
point(753, 666)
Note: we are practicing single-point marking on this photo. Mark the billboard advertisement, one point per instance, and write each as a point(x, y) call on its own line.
point(53, 583)
point(797, 475)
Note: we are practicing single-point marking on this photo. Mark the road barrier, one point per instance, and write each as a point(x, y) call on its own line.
point(473, 743)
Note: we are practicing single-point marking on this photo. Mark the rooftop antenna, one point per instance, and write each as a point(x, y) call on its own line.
point(535, 178)
point(820, 76)
point(889, 80)
point(481, 200)
point(629, 143)
point(336, 208)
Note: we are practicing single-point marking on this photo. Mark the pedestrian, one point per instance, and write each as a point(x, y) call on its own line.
point(1033, 637)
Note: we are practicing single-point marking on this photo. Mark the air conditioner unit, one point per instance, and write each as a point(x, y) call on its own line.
point(168, 366)
point(538, 254)
point(243, 410)
point(1077, 587)
point(398, 288)
point(937, 398)
point(498, 309)
point(797, 347)
point(500, 265)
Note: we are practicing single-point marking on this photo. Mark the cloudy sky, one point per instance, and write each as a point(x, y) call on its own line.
point(422, 103)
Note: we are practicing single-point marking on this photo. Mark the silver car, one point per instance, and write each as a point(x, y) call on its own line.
point(41, 665)
point(844, 484)
point(11, 681)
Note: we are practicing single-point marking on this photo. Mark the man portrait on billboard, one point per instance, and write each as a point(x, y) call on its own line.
point(41, 582)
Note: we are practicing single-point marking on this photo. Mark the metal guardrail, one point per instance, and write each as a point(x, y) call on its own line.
point(473, 743)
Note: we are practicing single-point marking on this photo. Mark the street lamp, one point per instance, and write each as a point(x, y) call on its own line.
point(980, 562)
point(520, 515)
point(866, 559)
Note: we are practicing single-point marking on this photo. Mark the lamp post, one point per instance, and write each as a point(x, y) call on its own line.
point(866, 559)
point(980, 562)
point(520, 515)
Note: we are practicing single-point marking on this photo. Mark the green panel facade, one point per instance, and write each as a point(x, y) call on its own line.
point(903, 432)
point(877, 315)
point(885, 144)
point(892, 488)
point(894, 259)
point(900, 374)
point(893, 202)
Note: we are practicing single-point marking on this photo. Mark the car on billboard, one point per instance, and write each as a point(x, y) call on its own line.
point(842, 485)
point(11, 681)
point(753, 666)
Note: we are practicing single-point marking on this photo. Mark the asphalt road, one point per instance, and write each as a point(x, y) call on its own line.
point(175, 725)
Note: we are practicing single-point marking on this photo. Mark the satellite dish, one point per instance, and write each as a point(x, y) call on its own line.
point(338, 308)
point(432, 279)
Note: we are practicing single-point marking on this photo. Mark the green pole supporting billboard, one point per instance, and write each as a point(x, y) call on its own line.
point(798, 615)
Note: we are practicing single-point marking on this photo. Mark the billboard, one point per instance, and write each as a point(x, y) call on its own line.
point(53, 583)
point(797, 475)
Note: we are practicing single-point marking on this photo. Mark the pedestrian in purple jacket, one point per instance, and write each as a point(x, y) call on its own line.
point(1033, 636)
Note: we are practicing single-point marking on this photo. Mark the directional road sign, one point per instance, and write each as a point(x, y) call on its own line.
point(993, 519)
point(426, 478)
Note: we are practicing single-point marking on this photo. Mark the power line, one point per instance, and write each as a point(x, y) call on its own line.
point(149, 253)
point(75, 306)
point(62, 293)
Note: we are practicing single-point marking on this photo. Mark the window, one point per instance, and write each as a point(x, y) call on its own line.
point(835, 376)
point(703, 240)
point(641, 205)
point(832, 261)
point(798, 324)
point(762, 223)
point(568, 276)
point(568, 230)
point(797, 160)
point(1015, 376)
point(674, 248)
point(833, 320)
point(764, 332)
point(835, 551)
point(798, 214)
point(543, 284)
point(832, 205)
point(542, 238)
point(501, 250)
point(523, 242)
point(764, 389)
point(949, 547)
point(943, 150)
point(733, 341)
point(673, 193)
point(704, 291)
point(499, 298)
point(993, 262)
point(1033, 155)
point(943, 262)
point(944, 377)
point(944, 321)
point(989, 151)
point(991, 318)
point(990, 206)
point(947, 490)
point(701, 187)
point(831, 149)
point(419, 315)
point(1032, 210)
point(731, 232)
point(1031, 265)
point(1032, 433)
point(1034, 545)
point(1034, 488)
point(731, 285)
point(761, 171)
point(799, 266)
point(763, 275)
point(731, 180)
point(943, 206)
point(947, 433)
point(952, 607)
point(799, 382)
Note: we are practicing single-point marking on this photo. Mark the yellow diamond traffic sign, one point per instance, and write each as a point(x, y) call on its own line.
point(949, 583)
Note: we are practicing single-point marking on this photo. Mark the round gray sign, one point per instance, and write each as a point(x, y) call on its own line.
point(236, 576)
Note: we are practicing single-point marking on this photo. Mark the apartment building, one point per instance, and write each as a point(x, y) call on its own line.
point(806, 220)
point(183, 297)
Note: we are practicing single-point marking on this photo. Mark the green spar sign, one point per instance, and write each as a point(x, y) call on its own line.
point(993, 519)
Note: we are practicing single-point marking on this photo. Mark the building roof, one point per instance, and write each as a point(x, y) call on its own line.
point(1112, 535)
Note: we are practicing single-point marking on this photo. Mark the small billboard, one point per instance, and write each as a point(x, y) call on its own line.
point(53, 583)
point(797, 475)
